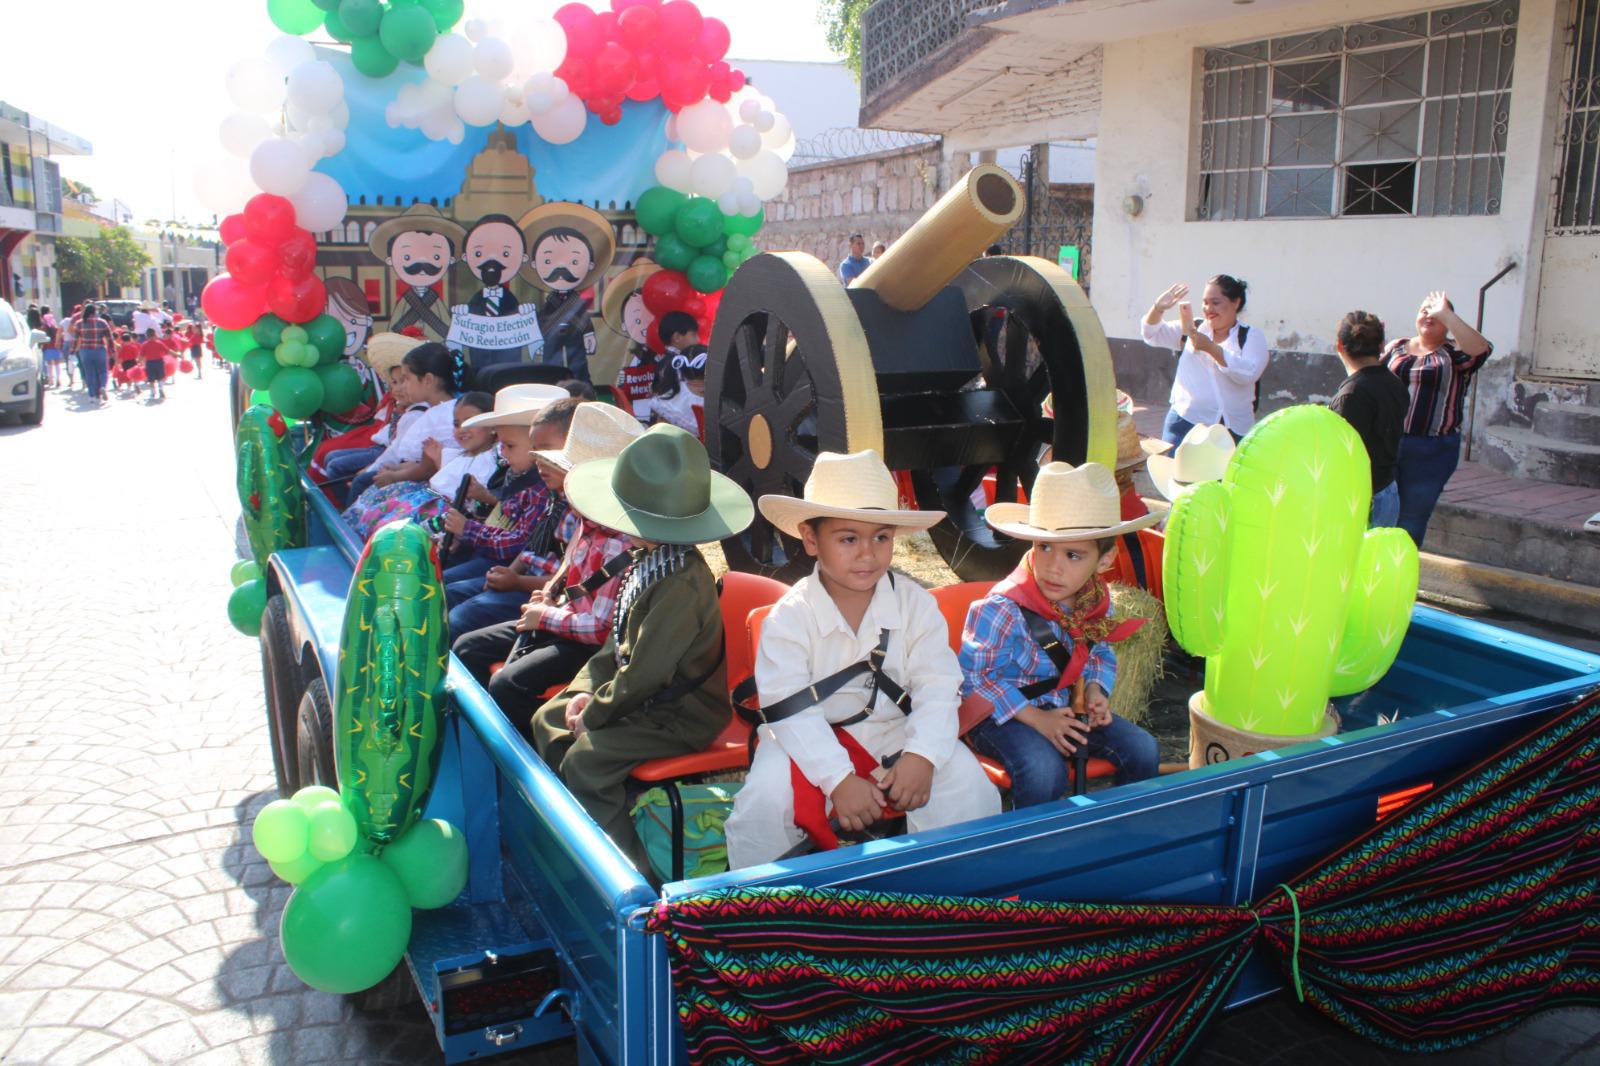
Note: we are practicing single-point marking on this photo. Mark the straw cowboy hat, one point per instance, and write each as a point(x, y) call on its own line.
point(1202, 456)
point(515, 405)
point(1067, 503)
point(660, 488)
point(856, 487)
point(385, 350)
point(620, 288)
point(598, 431)
point(555, 214)
point(418, 218)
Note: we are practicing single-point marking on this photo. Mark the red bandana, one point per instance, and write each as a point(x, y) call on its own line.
point(1088, 622)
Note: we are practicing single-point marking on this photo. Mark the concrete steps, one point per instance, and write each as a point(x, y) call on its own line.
point(1577, 423)
point(1566, 460)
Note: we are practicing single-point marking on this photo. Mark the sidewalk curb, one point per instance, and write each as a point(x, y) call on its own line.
point(1545, 599)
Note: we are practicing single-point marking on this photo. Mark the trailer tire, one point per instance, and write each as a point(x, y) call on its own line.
point(280, 677)
point(313, 751)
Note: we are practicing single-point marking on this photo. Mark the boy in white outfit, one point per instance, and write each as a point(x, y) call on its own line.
point(859, 686)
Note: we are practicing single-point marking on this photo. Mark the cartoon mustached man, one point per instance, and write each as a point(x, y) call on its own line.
point(419, 246)
point(571, 246)
point(495, 251)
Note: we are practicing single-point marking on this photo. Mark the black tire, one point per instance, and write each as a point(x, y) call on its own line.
point(280, 677)
point(36, 416)
point(314, 738)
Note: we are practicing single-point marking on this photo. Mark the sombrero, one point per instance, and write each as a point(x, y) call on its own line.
point(598, 431)
point(1202, 456)
point(1067, 503)
point(419, 218)
point(517, 405)
point(385, 350)
point(855, 487)
point(556, 214)
point(660, 488)
point(619, 288)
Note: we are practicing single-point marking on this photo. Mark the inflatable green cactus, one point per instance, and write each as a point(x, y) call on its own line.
point(268, 480)
point(1272, 575)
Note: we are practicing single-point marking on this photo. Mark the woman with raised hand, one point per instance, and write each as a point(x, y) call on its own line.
point(1219, 362)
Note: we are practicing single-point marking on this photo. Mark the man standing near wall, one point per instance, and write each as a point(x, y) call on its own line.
point(851, 266)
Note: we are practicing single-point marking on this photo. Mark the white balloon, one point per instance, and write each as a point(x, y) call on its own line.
point(315, 87)
point(475, 29)
point(539, 45)
point(287, 52)
point(320, 204)
point(764, 121)
point(241, 131)
point(450, 59)
point(705, 126)
point(279, 166)
point(766, 172)
point(785, 151)
point(492, 58)
point(513, 113)
point(744, 142)
point(543, 92)
point(564, 123)
point(479, 101)
point(711, 175)
point(781, 131)
point(332, 143)
point(742, 185)
point(749, 203)
point(457, 134)
point(673, 169)
point(223, 184)
point(748, 108)
point(728, 203)
point(254, 85)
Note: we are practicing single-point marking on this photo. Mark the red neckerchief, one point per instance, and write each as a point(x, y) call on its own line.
point(1088, 623)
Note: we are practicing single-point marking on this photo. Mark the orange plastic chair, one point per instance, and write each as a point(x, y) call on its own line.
point(1152, 544)
point(740, 594)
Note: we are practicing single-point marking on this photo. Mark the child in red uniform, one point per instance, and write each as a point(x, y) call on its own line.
point(155, 352)
point(128, 357)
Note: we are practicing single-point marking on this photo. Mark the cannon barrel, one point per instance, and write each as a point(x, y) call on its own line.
point(955, 231)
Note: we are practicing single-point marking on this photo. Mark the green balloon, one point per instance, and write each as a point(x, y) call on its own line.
point(244, 570)
point(361, 17)
point(233, 343)
point(657, 209)
point(268, 330)
point(327, 334)
point(313, 796)
point(334, 26)
point(731, 260)
point(294, 16)
point(446, 13)
point(370, 57)
point(260, 397)
point(296, 392)
point(332, 832)
point(716, 248)
point(298, 870)
point(295, 333)
point(749, 253)
point(673, 253)
point(745, 224)
point(431, 862)
point(738, 242)
point(341, 387)
point(281, 831)
point(347, 926)
point(707, 274)
point(258, 368)
point(407, 32)
point(245, 606)
point(699, 222)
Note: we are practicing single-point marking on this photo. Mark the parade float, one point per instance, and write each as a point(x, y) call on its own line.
point(418, 827)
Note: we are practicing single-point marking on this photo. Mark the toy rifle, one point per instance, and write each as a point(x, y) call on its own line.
point(457, 502)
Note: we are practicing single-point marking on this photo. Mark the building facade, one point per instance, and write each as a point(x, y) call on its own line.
point(31, 205)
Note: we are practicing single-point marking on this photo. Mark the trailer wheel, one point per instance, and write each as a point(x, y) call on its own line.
point(281, 679)
point(314, 738)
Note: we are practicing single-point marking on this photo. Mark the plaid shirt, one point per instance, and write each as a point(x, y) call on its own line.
point(534, 563)
point(587, 619)
point(91, 333)
point(519, 513)
point(998, 657)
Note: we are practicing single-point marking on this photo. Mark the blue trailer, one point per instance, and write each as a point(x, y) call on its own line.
point(548, 941)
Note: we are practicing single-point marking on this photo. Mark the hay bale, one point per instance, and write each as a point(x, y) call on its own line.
point(1141, 656)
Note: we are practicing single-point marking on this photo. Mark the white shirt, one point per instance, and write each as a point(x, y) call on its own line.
point(438, 422)
point(448, 479)
point(678, 410)
point(805, 639)
point(1205, 393)
point(143, 320)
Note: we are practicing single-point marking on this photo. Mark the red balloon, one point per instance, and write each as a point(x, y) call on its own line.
point(611, 116)
point(252, 262)
point(136, 373)
point(613, 69)
point(575, 72)
point(637, 26)
point(186, 366)
point(583, 36)
point(298, 254)
point(643, 89)
point(666, 290)
point(736, 80)
point(683, 81)
point(619, 6)
point(695, 305)
point(712, 43)
point(720, 92)
point(230, 304)
point(268, 218)
point(297, 300)
point(680, 24)
point(654, 342)
point(713, 301)
point(606, 24)
point(232, 229)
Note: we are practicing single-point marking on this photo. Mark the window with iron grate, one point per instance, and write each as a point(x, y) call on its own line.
point(1403, 116)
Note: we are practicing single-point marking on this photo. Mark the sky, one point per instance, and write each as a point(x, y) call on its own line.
point(149, 94)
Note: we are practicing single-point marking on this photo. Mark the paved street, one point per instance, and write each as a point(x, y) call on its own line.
point(136, 922)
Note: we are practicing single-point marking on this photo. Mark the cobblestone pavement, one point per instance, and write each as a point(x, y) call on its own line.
point(136, 923)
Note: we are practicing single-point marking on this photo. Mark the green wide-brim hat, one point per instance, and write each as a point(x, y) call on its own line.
point(661, 488)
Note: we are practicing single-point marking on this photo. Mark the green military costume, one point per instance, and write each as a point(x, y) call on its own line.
point(657, 686)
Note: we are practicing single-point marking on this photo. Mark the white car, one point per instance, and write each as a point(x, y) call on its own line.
point(21, 368)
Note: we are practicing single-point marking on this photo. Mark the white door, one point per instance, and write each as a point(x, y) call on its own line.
point(1567, 343)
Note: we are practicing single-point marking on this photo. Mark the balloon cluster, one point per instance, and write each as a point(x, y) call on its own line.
point(248, 601)
point(380, 35)
point(735, 153)
point(642, 49)
point(291, 113)
point(269, 313)
point(349, 920)
point(695, 240)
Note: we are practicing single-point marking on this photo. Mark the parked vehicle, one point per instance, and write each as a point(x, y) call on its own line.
point(120, 312)
point(21, 367)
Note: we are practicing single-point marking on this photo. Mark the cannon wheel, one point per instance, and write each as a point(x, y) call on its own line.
point(1038, 338)
point(789, 375)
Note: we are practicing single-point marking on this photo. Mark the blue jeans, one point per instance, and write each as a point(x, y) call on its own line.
point(1425, 465)
point(1385, 510)
point(348, 463)
point(465, 580)
point(1175, 427)
point(93, 362)
point(1039, 773)
point(482, 610)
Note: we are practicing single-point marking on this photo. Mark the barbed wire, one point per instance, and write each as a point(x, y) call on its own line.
point(845, 142)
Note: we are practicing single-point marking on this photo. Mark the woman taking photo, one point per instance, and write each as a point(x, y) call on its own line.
point(1436, 371)
point(1220, 358)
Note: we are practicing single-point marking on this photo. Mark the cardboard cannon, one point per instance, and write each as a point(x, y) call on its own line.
point(951, 366)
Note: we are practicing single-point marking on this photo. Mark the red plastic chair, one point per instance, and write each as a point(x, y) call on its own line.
point(1152, 543)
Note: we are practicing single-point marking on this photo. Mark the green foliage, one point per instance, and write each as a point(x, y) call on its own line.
point(842, 18)
point(112, 257)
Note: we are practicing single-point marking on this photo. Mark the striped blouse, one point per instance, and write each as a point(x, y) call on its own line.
point(1437, 382)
